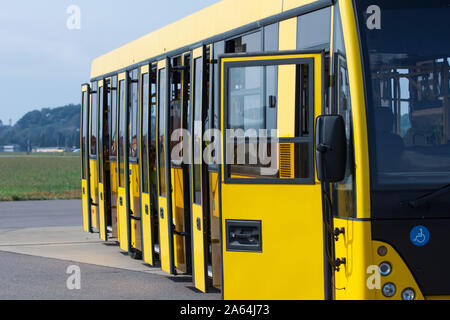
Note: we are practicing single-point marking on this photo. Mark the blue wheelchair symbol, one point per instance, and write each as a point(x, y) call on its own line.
point(419, 236)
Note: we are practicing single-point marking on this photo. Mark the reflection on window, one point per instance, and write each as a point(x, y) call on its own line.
point(248, 43)
point(132, 113)
point(84, 130)
point(94, 120)
point(112, 118)
point(175, 102)
point(100, 133)
point(153, 134)
point(162, 133)
point(408, 87)
point(411, 114)
point(314, 29)
point(121, 146)
point(253, 149)
point(197, 137)
point(145, 121)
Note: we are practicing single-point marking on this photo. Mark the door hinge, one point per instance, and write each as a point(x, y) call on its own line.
point(337, 232)
point(338, 262)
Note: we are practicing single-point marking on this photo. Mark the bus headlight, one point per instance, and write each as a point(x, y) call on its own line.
point(408, 294)
point(385, 268)
point(388, 290)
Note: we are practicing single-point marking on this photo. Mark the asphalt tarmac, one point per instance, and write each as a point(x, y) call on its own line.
point(44, 254)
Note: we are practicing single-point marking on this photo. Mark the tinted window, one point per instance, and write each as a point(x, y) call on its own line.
point(100, 133)
point(94, 120)
point(121, 122)
point(197, 137)
point(112, 119)
point(314, 29)
point(162, 133)
point(84, 130)
point(133, 113)
point(252, 106)
point(145, 122)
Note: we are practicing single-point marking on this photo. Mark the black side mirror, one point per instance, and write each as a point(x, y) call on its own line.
point(331, 148)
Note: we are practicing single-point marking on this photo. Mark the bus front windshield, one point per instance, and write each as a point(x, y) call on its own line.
point(406, 52)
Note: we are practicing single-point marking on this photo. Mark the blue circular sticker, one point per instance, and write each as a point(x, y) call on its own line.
point(419, 236)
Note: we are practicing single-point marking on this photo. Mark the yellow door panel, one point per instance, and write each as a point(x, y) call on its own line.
point(147, 231)
point(135, 207)
point(198, 240)
point(94, 193)
point(178, 219)
point(86, 220)
point(114, 199)
point(215, 229)
point(102, 213)
point(291, 264)
point(123, 219)
point(272, 226)
point(84, 125)
point(164, 241)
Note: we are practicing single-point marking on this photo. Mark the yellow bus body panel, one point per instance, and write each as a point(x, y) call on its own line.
point(292, 247)
point(356, 280)
point(354, 63)
point(213, 20)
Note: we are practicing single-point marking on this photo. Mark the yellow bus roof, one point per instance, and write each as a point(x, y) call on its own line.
point(218, 18)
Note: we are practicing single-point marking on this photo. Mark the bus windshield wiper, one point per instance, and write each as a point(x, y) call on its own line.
point(430, 196)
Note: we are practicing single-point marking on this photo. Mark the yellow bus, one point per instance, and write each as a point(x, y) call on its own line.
point(279, 149)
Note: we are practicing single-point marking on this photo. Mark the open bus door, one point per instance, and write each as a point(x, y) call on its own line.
point(113, 163)
point(271, 203)
point(85, 186)
point(133, 185)
point(147, 165)
point(123, 208)
point(164, 195)
point(93, 155)
point(180, 104)
point(198, 173)
point(104, 203)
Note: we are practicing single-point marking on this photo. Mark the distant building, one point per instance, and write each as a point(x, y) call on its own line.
point(1, 123)
point(11, 148)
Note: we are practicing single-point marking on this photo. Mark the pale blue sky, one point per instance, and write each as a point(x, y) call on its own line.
point(43, 63)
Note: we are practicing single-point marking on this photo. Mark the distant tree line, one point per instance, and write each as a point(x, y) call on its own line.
point(56, 127)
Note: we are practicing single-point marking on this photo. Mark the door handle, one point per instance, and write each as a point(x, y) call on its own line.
point(146, 209)
point(161, 213)
point(120, 201)
point(199, 225)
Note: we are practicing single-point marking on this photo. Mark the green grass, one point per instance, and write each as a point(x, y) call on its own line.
point(39, 176)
